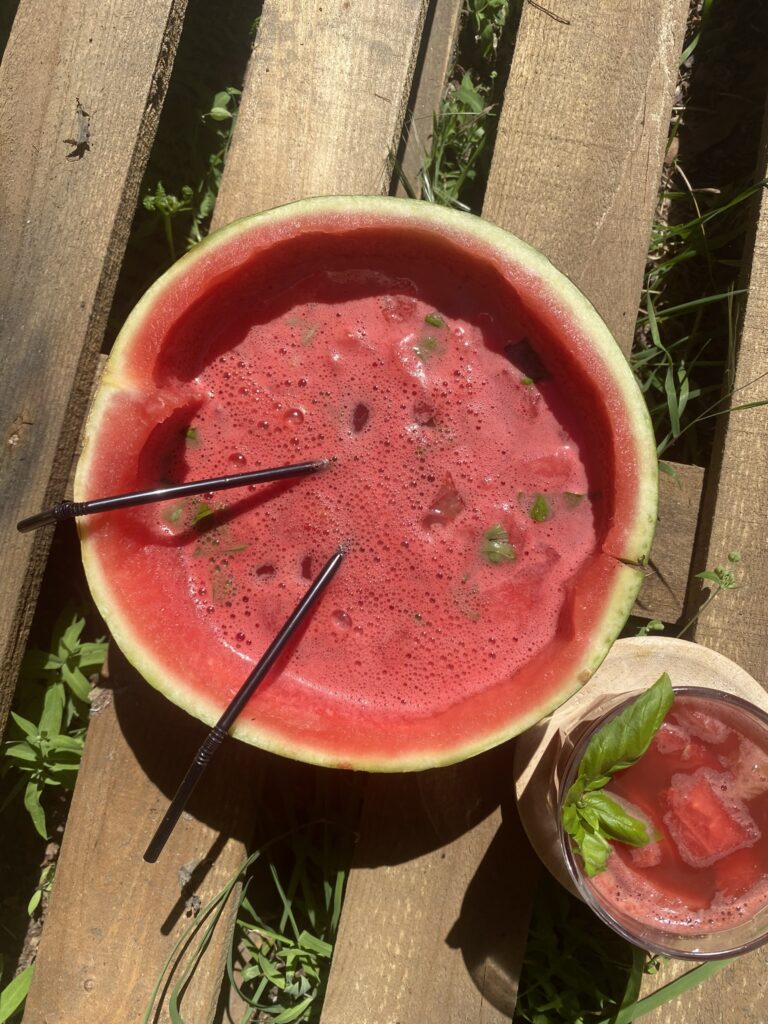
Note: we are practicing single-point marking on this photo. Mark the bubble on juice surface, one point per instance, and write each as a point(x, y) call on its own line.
point(706, 819)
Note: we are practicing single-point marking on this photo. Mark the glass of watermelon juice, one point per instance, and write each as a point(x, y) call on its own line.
point(699, 890)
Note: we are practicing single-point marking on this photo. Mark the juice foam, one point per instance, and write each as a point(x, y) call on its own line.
point(445, 423)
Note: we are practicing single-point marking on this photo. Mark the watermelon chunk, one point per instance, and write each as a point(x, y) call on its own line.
point(705, 820)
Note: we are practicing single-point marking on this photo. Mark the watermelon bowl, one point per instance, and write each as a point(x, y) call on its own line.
point(494, 478)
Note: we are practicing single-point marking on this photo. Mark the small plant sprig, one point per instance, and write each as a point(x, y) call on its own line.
point(194, 205)
point(278, 963)
point(590, 817)
point(48, 727)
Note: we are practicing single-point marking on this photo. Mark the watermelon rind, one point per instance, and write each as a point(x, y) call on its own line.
point(630, 554)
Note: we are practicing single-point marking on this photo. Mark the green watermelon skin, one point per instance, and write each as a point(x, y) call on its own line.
point(141, 592)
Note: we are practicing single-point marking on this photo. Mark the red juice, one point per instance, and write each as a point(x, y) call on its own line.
point(702, 788)
point(494, 480)
point(445, 425)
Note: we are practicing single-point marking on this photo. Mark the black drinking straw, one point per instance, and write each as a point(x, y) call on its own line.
point(70, 509)
point(214, 738)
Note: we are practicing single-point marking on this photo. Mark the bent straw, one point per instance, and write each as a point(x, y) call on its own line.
point(69, 509)
point(214, 738)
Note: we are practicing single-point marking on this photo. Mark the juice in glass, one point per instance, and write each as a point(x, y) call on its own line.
point(699, 889)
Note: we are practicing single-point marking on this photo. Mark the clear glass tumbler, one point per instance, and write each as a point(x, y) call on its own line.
point(701, 890)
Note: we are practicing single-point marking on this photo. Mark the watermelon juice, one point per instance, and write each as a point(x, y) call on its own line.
point(493, 475)
point(700, 888)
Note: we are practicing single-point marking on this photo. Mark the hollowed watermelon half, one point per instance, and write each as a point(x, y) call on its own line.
point(495, 478)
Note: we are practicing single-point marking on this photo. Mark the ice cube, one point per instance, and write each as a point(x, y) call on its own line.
point(749, 767)
point(446, 505)
point(736, 874)
point(706, 727)
point(398, 308)
point(671, 738)
point(706, 819)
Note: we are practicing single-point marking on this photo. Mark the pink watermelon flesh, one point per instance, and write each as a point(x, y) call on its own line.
point(478, 483)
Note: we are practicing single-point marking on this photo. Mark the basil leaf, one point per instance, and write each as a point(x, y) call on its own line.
point(627, 736)
point(590, 816)
point(594, 851)
point(614, 821)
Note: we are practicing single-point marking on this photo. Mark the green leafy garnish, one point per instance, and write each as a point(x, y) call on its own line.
point(192, 434)
point(426, 348)
point(202, 512)
point(496, 547)
point(592, 818)
point(540, 510)
point(434, 320)
point(571, 499)
point(527, 381)
point(173, 514)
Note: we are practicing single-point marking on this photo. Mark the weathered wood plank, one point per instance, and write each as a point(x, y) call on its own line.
point(77, 69)
point(736, 624)
point(575, 172)
point(664, 590)
point(441, 30)
point(389, 982)
point(431, 928)
point(113, 919)
point(321, 112)
point(95, 73)
point(323, 102)
point(581, 140)
point(577, 176)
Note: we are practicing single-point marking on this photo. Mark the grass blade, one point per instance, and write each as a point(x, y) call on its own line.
point(14, 993)
point(667, 992)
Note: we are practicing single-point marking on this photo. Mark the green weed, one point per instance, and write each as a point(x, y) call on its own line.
point(193, 207)
point(51, 716)
point(12, 996)
point(684, 352)
point(456, 163)
point(279, 959)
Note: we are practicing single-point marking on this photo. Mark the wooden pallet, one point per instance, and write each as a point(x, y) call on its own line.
point(435, 917)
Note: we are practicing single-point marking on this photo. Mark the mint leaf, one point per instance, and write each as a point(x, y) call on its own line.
point(434, 320)
point(540, 510)
point(496, 547)
point(591, 817)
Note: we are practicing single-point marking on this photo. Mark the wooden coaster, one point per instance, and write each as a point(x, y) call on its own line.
point(632, 665)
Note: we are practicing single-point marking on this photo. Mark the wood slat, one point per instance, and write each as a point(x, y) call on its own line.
point(663, 594)
point(575, 172)
point(65, 214)
point(323, 102)
point(581, 141)
point(113, 919)
point(736, 624)
point(539, 176)
point(65, 211)
point(418, 973)
point(441, 30)
point(430, 927)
